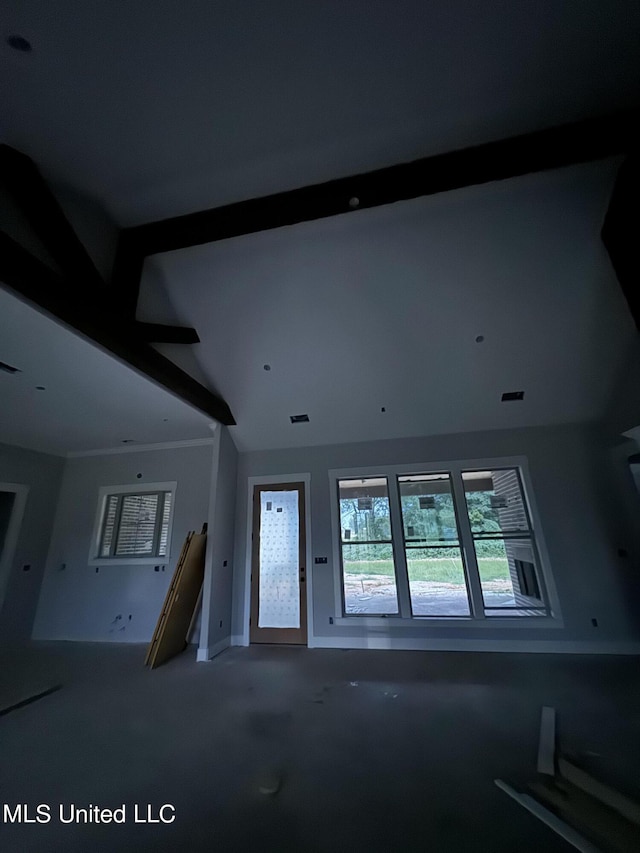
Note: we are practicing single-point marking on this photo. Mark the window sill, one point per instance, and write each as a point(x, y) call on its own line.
point(459, 622)
point(128, 561)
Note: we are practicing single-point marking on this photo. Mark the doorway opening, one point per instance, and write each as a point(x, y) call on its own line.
point(13, 498)
point(278, 612)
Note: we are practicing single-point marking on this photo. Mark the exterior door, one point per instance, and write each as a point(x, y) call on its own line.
point(278, 588)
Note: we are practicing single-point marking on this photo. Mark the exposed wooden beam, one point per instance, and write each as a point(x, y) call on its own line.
point(35, 282)
point(30, 192)
point(126, 274)
point(621, 232)
point(160, 334)
point(533, 152)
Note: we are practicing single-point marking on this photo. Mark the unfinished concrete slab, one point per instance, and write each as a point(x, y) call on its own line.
point(372, 751)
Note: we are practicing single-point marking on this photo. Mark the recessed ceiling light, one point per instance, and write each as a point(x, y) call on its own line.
point(8, 368)
point(510, 396)
point(266, 367)
point(299, 419)
point(40, 388)
point(480, 339)
point(19, 43)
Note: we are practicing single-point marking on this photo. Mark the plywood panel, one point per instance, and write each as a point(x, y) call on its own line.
point(170, 637)
point(167, 599)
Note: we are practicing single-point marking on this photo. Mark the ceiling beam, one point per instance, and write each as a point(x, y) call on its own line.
point(35, 282)
point(620, 233)
point(160, 334)
point(30, 192)
point(126, 275)
point(553, 148)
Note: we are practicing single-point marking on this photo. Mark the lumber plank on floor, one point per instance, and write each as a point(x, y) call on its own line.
point(547, 743)
point(609, 796)
point(608, 829)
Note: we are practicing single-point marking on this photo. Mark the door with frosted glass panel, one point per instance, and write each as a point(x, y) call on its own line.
point(278, 570)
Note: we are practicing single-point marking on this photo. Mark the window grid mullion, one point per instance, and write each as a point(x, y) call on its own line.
point(468, 547)
point(157, 531)
point(113, 550)
point(103, 528)
point(400, 557)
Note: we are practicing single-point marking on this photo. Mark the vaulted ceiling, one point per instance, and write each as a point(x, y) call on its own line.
point(151, 110)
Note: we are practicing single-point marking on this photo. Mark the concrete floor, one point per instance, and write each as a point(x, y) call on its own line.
point(379, 751)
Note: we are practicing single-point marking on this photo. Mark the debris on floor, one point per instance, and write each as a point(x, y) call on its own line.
point(13, 699)
point(592, 816)
point(269, 783)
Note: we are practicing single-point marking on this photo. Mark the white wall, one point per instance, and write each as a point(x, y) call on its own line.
point(78, 603)
point(579, 513)
point(42, 474)
point(215, 632)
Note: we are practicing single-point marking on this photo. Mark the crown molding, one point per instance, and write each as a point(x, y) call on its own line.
point(140, 448)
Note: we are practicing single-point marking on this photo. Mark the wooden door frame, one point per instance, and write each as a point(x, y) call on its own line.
point(273, 635)
point(305, 479)
point(21, 492)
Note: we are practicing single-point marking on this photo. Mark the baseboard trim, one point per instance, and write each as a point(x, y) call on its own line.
point(238, 640)
point(572, 647)
point(210, 652)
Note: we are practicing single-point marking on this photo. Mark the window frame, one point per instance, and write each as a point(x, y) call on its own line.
point(392, 542)
point(477, 617)
point(516, 536)
point(98, 527)
point(456, 513)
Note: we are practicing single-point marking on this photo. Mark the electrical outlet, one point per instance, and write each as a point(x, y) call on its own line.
point(320, 561)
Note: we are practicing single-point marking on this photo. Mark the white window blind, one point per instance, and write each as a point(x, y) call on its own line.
point(136, 525)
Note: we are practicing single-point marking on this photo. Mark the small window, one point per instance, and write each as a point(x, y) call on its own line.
point(135, 525)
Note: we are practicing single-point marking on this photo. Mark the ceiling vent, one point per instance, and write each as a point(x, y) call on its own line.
point(8, 368)
point(299, 419)
point(508, 396)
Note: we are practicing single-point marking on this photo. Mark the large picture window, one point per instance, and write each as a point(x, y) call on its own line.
point(435, 568)
point(503, 543)
point(456, 543)
point(369, 576)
